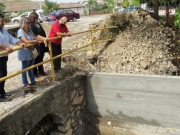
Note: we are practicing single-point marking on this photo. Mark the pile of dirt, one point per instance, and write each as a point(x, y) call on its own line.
point(141, 45)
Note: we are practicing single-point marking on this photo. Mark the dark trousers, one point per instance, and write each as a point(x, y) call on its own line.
point(3, 73)
point(56, 50)
point(39, 69)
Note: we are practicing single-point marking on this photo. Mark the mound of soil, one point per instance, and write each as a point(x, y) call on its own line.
point(141, 45)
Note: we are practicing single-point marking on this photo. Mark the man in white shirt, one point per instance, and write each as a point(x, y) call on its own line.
point(5, 40)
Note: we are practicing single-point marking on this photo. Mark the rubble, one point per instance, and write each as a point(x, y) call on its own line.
point(141, 45)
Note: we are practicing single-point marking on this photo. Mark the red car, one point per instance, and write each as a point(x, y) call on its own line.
point(71, 15)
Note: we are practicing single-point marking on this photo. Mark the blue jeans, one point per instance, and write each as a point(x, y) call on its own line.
point(26, 64)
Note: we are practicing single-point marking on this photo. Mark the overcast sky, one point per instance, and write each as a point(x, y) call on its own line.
point(59, 1)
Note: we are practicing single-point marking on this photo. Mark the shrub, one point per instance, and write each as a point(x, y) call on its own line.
point(84, 12)
point(7, 18)
point(177, 18)
point(125, 3)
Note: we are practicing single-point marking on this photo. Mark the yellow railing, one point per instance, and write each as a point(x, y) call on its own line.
point(50, 51)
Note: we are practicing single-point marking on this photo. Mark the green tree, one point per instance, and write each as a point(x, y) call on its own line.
point(2, 7)
point(91, 3)
point(125, 3)
point(166, 3)
point(49, 6)
point(136, 3)
point(177, 18)
point(7, 18)
point(110, 4)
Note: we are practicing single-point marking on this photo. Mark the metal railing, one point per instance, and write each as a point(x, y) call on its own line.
point(58, 56)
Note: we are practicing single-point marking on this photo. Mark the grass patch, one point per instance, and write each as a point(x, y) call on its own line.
point(163, 19)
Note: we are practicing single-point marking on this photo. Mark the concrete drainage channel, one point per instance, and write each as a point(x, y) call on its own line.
point(94, 125)
point(100, 104)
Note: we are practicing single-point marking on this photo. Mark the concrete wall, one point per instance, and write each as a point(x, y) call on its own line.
point(64, 102)
point(152, 100)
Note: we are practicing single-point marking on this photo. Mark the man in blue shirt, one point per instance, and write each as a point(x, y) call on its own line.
point(5, 40)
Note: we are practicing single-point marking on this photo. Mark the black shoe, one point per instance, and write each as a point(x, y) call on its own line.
point(4, 99)
point(7, 94)
point(56, 70)
point(36, 75)
point(43, 74)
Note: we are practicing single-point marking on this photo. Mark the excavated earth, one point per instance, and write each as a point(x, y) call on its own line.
point(141, 45)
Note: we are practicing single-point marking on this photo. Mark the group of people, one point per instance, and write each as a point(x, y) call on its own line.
point(30, 32)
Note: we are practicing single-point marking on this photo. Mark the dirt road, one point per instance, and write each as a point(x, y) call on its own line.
point(15, 65)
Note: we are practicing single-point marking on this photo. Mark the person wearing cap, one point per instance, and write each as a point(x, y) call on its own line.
point(5, 40)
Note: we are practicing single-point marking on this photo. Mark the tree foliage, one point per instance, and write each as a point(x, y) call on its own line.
point(2, 7)
point(99, 7)
point(169, 1)
point(174, 3)
point(177, 18)
point(49, 6)
point(7, 18)
point(91, 3)
point(125, 3)
point(131, 2)
point(110, 4)
point(135, 2)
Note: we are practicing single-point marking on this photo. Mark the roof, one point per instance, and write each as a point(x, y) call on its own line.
point(66, 6)
point(33, 6)
point(16, 8)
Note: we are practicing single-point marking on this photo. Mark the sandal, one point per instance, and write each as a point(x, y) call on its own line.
point(27, 86)
point(35, 83)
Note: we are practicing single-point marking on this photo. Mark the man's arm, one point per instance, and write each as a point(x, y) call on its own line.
point(64, 34)
point(9, 49)
point(55, 28)
point(3, 47)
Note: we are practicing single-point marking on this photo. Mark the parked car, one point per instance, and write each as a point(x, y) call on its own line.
point(26, 14)
point(47, 18)
point(117, 9)
point(130, 9)
point(71, 15)
point(41, 15)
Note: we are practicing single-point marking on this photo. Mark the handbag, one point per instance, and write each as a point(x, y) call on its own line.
point(34, 53)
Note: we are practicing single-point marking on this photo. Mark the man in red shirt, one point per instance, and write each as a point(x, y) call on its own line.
point(58, 29)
